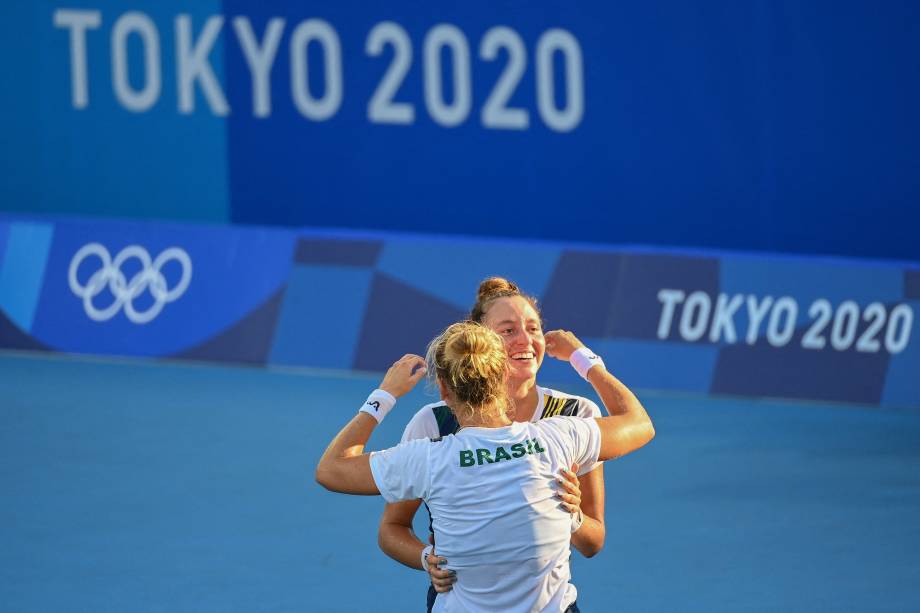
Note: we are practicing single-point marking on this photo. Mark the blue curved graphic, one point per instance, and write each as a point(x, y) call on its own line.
point(702, 322)
point(233, 272)
point(13, 337)
point(24, 248)
point(247, 341)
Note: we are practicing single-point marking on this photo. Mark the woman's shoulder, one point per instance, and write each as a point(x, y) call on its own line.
point(431, 421)
point(554, 393)
point(558, 403)
point(432, 408)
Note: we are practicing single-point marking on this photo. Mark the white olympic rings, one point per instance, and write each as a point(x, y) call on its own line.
point(125, 291)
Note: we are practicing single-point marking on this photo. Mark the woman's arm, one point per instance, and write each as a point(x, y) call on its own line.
point(344, 467)
point(397, 539)
point(396, 536)
point(585, 494)
point(628, 426)
point(589, 538)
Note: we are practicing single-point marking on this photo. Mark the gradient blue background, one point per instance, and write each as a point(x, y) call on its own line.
point(764, 125)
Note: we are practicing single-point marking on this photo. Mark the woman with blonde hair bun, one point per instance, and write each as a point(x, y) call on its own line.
point(491, 486)
point(472, 359)
point(502, 307)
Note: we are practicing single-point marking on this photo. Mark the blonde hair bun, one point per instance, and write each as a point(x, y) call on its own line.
point(470, 360)
point(472, 352)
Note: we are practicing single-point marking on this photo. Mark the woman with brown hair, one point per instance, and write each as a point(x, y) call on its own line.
point(504, 308)
point(491, 486)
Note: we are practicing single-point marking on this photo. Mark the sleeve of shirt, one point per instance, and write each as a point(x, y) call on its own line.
point(587, 437)
point(422, 425)
point(401, 472)
point(589, 410)
point(580, 437)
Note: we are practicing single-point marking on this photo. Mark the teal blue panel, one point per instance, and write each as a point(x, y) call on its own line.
point(104, 159)
point(321, 316)
point(451, 269)
point(835, 280)
point(807, 280)
point(22, 271)
point(4, 233)
point(646, 364)
point(902, 385)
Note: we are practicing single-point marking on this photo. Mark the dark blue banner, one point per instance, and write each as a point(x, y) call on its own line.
point(777, 126)
point(707, 322)
point(146, 290)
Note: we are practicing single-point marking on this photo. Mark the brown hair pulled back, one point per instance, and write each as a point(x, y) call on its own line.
point(470, 360)
point(494, 288)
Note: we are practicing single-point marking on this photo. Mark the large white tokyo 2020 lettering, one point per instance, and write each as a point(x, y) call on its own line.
point(866, 329)
point(125, 291)
point(558, 68)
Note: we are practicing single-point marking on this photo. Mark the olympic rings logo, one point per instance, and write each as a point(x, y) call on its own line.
point(126, 291)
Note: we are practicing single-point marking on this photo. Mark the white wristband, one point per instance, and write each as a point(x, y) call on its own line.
point(582, 360)
point(577, 520)
point(378, 404)
point(428, 549)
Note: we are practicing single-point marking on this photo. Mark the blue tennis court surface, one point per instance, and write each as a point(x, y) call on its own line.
point(149, 487)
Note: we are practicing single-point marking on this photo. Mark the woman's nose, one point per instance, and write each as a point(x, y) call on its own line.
point(522, 338)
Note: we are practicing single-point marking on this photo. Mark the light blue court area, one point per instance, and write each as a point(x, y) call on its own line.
point(152, 487)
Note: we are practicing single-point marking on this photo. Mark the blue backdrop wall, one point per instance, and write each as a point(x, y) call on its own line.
point(768, 125)
point(702, 322)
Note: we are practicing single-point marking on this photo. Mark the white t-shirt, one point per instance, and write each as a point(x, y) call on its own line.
point(491, 493)
point(435, 419)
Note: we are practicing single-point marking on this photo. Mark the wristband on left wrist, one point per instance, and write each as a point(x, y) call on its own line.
point(583, 359)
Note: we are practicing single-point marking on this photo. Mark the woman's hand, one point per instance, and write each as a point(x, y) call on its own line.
point(403, 375)
point(442, 579)
point(570, 491)
point(561, 343)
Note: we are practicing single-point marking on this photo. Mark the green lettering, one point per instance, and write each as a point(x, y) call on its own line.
point(501, 454)
point(466, 457)
point(529, 446)
point(483, 455)
point(517, 450)
point(537, 448)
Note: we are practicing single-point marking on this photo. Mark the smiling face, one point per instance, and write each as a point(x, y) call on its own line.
point(518, 325)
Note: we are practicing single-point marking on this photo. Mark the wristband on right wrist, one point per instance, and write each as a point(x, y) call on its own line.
point(428, 549)
point(582, 359)
point(378, 404)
